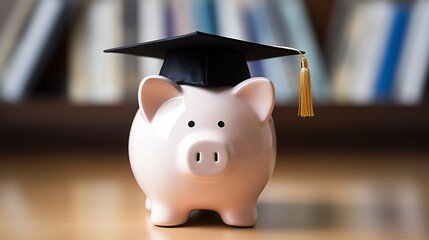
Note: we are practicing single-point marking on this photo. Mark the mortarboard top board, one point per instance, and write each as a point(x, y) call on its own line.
point(158, 48)
point(203, 59)
point(207, 60)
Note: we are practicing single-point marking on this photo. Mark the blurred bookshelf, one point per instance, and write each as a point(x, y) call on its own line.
point(369, 62)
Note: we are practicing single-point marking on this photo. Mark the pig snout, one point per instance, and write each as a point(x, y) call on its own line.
point(206, 157)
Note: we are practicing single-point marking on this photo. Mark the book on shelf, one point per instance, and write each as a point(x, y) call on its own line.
point(205, 14)
point(179, 17)
point(392, 51)
point(342, 46)
point(255, 67)
point(151, 25)
point(96, 77)
point(15, 17)
point(413, 67)
point(335, 39)
point(32, 48)
point(130, 63)
point(230, 19)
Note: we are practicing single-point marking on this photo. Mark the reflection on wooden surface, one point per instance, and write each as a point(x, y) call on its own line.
point(78, 195)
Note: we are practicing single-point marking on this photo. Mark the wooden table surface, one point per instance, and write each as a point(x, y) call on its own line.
point(312, 195)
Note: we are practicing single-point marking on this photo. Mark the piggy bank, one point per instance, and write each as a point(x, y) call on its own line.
point(203, 148)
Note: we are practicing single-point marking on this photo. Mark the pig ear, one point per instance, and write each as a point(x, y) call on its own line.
point(154, 91)
point(259, 93)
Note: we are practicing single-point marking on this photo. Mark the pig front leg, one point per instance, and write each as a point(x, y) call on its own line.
point(239, 217)
point(148, 204)
point(166, 215)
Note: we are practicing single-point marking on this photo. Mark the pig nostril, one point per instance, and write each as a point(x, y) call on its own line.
point(216, 157)
point(198, 156)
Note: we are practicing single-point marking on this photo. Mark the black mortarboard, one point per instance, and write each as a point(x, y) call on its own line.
point(203, 59)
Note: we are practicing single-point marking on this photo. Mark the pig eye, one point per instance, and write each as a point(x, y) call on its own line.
point(191, 124)
point(221, 124)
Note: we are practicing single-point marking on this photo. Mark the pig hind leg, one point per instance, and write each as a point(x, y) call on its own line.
point(240, 217)
point(162, 215)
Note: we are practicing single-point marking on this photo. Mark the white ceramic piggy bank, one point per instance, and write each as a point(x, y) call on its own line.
point(203, 148)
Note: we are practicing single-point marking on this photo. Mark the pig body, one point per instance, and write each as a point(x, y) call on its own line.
point(197, 148)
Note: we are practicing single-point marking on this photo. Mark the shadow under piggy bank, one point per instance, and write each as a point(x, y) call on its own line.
point(274, 215)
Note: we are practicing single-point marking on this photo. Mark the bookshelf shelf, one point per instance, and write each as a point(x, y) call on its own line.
point(59, 124)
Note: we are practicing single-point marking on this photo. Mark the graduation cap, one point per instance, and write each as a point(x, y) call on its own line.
point(207, 60)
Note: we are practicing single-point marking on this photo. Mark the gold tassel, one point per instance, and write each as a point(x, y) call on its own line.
point(305, 108)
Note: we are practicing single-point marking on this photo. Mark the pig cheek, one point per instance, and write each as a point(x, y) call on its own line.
point(248, 137)
point(166, 119)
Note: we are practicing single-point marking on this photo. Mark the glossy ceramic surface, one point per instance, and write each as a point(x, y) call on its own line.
point(203, 148)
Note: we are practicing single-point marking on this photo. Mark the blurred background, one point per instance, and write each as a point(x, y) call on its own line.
point(66, 107)
point(360, 52)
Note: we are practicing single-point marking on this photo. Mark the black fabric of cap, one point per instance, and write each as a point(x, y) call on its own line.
point(205, 67)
